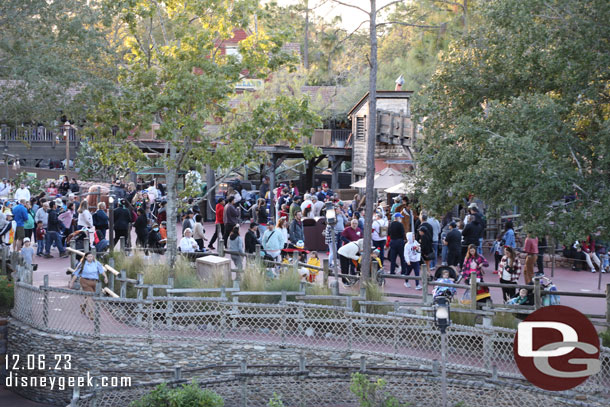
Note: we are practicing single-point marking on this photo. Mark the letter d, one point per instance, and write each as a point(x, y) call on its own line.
point(526, 338)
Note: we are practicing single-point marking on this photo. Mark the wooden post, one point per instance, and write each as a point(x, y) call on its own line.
point(424, 284)
point(537, 297)
point(325, 272)
point(295, 261)
point(4, 256)
point(96, 309)
point(221, 247)
point(122, 244)
point(170, 304)
point(86, 246)
point(72, 254)
point(553, 259)
point(123, 292)
point(473, 291)
point(111, 279)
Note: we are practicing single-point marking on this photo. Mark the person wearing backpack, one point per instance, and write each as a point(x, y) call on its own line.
point(380, 234)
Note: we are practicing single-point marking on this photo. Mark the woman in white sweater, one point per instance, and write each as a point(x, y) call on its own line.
point(187, 243)
point(85, 219)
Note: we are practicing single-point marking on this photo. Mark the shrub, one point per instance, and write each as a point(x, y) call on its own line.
point(275, 401)
point(605, 337)
point(7, 295)
point(373, 293)
point(186, 395)
point(289, 280)
point(319, 290)
point(371, 394)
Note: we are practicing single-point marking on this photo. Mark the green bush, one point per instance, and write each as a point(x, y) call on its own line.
point(7, 295)
point(187, 395)
point(373, 293)
point(371, 394)
point(605, 337)
point(275, 401)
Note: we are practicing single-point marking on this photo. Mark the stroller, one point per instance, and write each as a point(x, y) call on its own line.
point(441, 291)
point(483, 296)
point(546, 284)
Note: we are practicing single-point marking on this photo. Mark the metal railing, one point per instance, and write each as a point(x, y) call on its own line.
point(294, 324)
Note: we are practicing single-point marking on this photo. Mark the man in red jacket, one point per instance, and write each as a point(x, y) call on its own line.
point(220, 209)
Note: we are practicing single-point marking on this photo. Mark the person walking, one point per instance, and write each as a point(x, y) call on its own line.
point(122, 219)
point(89, 270)
point(296, 233)
point(53, 233)
point(530, 248)
point(397, 243)
point(236, 245)
point(509, 235)
point(380, 234)
point(509, 271)
point(413, 256)
point(436, 232)
point(218, 222)
point(273, 242)
point(20, 215)
point(262, 216)
point(199, 232)
point(100, 219)
point(230, 218)
point(141, 226)
point(252, 238)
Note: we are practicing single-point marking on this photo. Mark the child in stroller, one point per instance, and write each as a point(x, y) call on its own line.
point(445, 274)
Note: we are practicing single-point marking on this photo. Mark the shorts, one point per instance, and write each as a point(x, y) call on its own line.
point(20, 233)
point(88, 285)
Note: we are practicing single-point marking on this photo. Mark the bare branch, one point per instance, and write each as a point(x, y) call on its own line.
point(576, 159)
point(428, 27)
point(388, 5)
point(352, 6)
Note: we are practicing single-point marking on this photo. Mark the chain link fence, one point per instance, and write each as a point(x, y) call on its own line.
point(330, 386)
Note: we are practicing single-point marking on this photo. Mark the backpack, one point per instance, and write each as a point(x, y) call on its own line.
point(383, 229)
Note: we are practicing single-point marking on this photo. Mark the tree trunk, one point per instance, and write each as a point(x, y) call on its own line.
point(370, 148)
point(306, 39)
point(171, 173)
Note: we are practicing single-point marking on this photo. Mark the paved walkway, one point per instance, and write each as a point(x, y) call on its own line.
point(564, 279)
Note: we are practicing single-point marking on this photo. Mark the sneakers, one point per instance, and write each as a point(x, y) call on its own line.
point(593, 271)
point(418, 287)
point(406, 284)
point(64, 254)
point(47, 256)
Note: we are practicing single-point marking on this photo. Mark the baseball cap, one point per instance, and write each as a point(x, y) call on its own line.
point(473, 205)
point(397, 215)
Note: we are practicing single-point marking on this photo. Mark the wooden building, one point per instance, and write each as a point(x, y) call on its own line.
point(395, 134)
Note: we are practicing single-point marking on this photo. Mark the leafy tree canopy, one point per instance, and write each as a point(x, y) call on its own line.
point(517, 114)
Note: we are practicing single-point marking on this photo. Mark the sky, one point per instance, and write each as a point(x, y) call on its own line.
point(351, 17)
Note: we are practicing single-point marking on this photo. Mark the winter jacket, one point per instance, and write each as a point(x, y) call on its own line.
point(412, 249)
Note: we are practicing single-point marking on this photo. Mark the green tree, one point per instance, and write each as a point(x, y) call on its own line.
point(174, 76)
point(51, 54)
point(517, 114)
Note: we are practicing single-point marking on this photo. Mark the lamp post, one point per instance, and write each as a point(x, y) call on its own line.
point(442, 319)
point(67, 137)
point(331, 219)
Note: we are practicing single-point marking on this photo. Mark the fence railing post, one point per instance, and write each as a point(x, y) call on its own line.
point(325, 272)
point(123, 292)
point(537, 296)
point(424, 285)
point(243, 368)
point(140, 297)
point(111, 276)
point(45, 302)
point(72, 254)
point(178, 373)
point(122, 244)
point(295, 261)
point(96, 308)
point(221, 247)
point(608, 305)
point(473, 291)
point(362, 364)
point(75, 396)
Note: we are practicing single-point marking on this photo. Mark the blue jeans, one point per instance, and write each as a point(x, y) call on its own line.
point(54, 237)
point(397, 248)
point(444, 252)
point(415, 267)
point(41, 244)
point(435, 248)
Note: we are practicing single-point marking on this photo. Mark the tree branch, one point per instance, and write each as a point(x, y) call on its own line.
point(352, 6)
point(430, 27)
point(388, 5)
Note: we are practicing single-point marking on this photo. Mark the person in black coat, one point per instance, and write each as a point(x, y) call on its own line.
point(396, 231)
point(156, 244)
point(122, 219)
point(453, 241)
point(471, 233)
point(141, 226)
point(425, 240)
point(251, 239)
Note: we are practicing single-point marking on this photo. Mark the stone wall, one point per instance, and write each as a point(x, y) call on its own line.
point(92, 356)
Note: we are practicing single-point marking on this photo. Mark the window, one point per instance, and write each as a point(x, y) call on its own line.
point(360, 128)
point(232, 50)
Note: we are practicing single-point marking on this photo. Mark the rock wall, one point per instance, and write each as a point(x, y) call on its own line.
point(125, 358)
